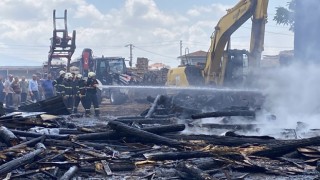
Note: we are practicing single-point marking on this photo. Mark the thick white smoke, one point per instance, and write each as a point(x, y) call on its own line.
point(293, 95)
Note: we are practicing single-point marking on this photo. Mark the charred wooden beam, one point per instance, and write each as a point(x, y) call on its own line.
point(245, 127)
point(286, 146)
point(134, 132)
point(54, 106)
point(8, 137)
point(29, 143)
point(147, 121)
point(21, 161)
point(130, 117)
point(32, 134)
point(224, 113)
point(233, 134)
point(62, 164)
point(114, 167)
point(223, 140)
point(153, 107)
point(122, 166)
point(69, 131)
point(30, 172)
point(97, 136)
point(179, 155)
point(165, 128)
point(208, 163)
point(115, 135)
point(54, 142)
point(70, 173)
point(194, 172)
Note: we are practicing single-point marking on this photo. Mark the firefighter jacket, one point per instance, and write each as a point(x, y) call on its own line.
point(68, 88)
point(75, 87)
point(91, 86)
point(82, 87)
point(58, 84)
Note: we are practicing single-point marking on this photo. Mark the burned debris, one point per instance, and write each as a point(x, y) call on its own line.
point(153, 145)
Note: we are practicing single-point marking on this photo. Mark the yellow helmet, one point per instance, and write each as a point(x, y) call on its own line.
point(91, 74)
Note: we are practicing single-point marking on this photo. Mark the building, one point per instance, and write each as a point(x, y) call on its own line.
point(19, 71)
point(158, 66)
point(195, 58)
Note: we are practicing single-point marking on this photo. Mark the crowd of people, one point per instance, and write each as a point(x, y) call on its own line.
point(16, 91)
point(73, 88)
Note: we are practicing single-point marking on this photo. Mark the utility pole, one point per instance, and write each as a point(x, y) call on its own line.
point(181, 52)
point(180, 47)
point(131, 47)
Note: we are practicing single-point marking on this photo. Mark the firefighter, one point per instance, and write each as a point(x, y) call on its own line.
point(68, 91)
point(57, 84)
point(79, 87)
point(91, 96)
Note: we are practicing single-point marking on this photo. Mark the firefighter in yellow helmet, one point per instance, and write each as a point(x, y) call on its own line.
point(68, 91)
point(58, 83)
point(91, 95)
point(80, 93)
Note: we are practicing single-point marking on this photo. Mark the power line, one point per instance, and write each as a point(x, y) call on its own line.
point(156, 43)
point(155, 53)
point(271, 32)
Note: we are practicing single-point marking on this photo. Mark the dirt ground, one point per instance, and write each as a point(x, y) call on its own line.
point(129, 108)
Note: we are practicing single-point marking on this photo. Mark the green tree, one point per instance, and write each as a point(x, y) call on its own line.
point(285, 16)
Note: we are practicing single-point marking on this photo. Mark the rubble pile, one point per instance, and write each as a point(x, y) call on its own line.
point(152, 145)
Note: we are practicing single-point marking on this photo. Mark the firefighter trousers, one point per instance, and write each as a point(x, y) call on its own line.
point(92, 99)
point(77, 100)
point(68, 101)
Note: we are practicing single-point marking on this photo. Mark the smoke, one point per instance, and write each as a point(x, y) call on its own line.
point(292, 95)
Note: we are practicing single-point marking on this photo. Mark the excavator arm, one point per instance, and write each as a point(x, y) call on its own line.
point(259, 21)
point(214, 71)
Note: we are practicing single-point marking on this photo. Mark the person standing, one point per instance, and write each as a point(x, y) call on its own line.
point(80, 93)
point(33, 89)
point(2, 92)
point(68, 91)
point(41, 93)
point(47, 87)
point(8, 90)
point(91, 96)
point(24, 85)
point(15, 85)
point(57, 83)
point(2, 96)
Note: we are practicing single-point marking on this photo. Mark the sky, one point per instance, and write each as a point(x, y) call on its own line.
point(154, 27)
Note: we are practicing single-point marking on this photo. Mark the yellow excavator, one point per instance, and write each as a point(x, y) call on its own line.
point(224, 67)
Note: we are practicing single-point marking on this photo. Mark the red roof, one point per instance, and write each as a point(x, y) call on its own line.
point(196, 54)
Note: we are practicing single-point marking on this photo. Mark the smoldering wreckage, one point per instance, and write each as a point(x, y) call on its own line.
point(177, 137)
point(44, 141)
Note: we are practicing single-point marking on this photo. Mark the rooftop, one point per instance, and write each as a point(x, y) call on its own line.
point(199, 53)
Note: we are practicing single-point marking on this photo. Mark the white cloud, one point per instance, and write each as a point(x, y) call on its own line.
point(200, 10)
point(88, 11)
point(26, 27)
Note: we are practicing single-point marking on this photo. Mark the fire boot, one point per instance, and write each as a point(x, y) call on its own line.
point(97, 112)
point(2, 112)
point(87, 113)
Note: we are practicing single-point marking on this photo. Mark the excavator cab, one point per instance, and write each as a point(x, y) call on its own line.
point(236, 66)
